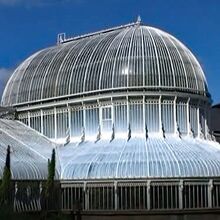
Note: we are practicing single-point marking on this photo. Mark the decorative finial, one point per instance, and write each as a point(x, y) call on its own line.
point(138, 19)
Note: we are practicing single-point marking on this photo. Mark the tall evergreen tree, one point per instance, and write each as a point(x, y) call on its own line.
point(6, 181)
point(51, 173)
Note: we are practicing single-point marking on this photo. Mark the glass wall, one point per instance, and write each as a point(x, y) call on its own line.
point(76, 121)
point(100, 197)
point(167, 115)
point(23, 117)
point(72, 197)
point(136, 116)
point(62, 122)
point(132, 196)
point(164, 196)
point(49, 123)
point(106, 116)
point(193, 118)
point(195, 195)
point(181, 116)
point(120, 116)
point(35, 120)
point(138, 112)
point(124, 195)
point(152, 118)
point(216, 195)
point(92, 119)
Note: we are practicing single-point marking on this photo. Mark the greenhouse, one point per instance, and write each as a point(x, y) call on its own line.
point(127, 110)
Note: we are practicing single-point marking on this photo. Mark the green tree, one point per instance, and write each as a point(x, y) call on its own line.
point(51, 171)
point(50, 179)
point(6, 182)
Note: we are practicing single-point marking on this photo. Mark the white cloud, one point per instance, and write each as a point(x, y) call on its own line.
point(4, 76)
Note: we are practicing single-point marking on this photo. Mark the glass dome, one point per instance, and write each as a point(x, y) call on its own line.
point(126, 58)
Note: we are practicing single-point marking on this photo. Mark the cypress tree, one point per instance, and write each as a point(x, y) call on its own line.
point(6, 181)
point(51, 174)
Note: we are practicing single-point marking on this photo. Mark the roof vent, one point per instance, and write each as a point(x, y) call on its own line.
point(61, 38)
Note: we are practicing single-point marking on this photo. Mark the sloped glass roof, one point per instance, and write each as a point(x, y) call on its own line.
point(138, 158)
point(30, 150)
point(156, 157)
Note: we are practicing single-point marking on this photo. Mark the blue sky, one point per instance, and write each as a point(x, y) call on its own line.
point(30, 25)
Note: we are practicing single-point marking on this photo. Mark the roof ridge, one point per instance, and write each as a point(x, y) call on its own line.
point(61, 38)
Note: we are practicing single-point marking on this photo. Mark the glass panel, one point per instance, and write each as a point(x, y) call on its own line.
point(136, 117)
point(152, 115)
point(106, 119)
point(35, 121)
point(181, 116)
point(120, 115)
point(92, 121)
point(62, 122)
point(48, 124)
point(167, 116)
point(193, 118)
point(76, 121)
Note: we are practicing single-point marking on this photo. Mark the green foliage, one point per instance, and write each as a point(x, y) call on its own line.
point(7, 162)
point(6, 182)
point(51, 173)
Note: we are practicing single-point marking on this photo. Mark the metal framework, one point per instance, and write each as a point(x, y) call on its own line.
point(30, 151)
point(142, 195)
point(134, 56)
point(138, 111)
point(130, 108)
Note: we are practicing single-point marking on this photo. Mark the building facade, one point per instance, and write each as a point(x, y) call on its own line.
point(130, 109)
point(132, 75)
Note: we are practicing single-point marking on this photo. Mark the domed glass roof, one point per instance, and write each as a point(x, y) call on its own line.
point(129, 57)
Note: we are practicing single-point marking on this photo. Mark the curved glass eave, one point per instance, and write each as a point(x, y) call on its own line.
point(155, 158)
